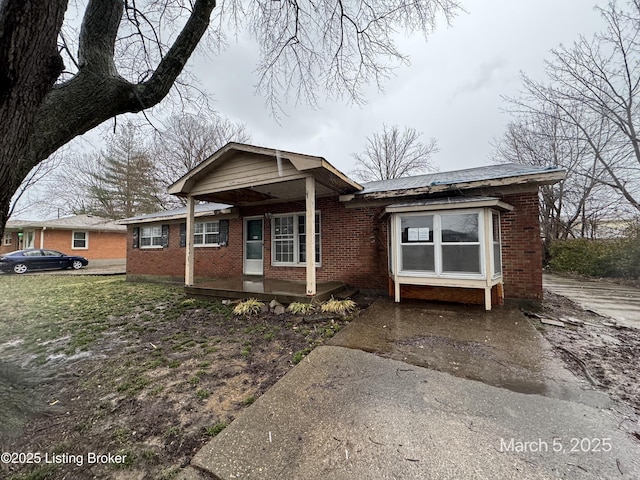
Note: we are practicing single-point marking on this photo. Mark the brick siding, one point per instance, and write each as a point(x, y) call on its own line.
point(353, 246)
point(522, 247)
point(102, 245)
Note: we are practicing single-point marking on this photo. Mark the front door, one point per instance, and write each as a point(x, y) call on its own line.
point(29, 239)
point(253, 246)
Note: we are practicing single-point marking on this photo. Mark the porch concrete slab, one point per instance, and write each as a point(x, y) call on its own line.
point(343, 414)
point(498, 347)
point(608, 299)
point(285, 291)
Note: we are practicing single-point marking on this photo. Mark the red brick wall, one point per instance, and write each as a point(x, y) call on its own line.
point(170, 261)
point(522, 247)
point(102, 245)
point(353, 246)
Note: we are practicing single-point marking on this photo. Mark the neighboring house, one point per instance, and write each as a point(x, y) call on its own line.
point(99, 239)
point(471, 236)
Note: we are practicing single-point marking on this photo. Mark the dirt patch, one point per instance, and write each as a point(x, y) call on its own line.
point(149, 390)
point(604, 355)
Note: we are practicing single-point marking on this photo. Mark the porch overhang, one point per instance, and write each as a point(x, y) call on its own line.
point(240, 175)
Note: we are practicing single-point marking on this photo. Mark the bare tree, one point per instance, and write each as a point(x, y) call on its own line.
point(595, 88)
point(190, 139)
point(26, 199)
point(540, 139)
point(394, 153)
point(130, 54)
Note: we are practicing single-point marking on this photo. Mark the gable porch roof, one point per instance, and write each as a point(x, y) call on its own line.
point(240, 174)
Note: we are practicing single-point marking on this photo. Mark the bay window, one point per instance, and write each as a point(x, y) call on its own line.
point(447, 244)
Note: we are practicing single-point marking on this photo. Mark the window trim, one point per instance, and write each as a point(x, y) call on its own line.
point(438, 244)
point(296, 240)
point(73, 240)
point(497, 273)
point(142, 236)
point(7, 240)
point(205, 233)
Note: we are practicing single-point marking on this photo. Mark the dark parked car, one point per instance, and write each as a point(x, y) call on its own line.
point(22, 261)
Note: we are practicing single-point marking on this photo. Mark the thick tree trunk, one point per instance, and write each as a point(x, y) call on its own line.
point(36, 117)
point(30, 65)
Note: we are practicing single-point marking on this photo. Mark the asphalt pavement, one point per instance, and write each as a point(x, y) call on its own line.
point(608, 299)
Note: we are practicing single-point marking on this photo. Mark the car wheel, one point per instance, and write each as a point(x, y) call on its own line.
point(77, 264)
point(20, 268)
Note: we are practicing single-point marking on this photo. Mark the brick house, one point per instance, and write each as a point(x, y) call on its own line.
point(471, 235)
point(98, 239)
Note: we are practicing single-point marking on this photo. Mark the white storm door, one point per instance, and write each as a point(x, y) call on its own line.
point(253, 246)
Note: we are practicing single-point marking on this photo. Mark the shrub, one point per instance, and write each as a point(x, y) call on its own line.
point(299, 308)
point(341, 307)
point(248, 307)
point(619, 257)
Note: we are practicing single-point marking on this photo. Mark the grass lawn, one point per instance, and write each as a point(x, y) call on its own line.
point(99, 365)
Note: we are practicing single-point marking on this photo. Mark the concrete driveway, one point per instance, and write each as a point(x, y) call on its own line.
point(604, 298)
point(494, 403)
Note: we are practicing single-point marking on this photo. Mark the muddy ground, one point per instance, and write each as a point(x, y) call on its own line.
point(604, 355)
point(152, 395)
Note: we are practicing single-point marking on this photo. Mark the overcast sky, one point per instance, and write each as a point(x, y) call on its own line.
point(451, 91)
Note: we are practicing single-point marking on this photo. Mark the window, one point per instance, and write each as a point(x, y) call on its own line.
point(289, 239)
point(417, 243)
point(80, 240)
point(8, 236)
point(151, 237)
point(497, 244)
point(206, 233)
point(460, 243)
point(447, 244)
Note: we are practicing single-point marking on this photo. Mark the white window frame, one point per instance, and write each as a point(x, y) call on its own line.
point(85, 239)
point(296, 240)
point(497, 272)
point(155, 236)
point(206, 229)
point(8, 239)
point(438, 244)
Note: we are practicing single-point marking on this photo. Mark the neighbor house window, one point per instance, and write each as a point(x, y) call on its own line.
point(80, 240)
point(289, 239)
point(7, 239)
point(206, 233)
point(447, 244)
point(151, 236)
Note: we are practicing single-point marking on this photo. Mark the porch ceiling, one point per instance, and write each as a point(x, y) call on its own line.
point(290, 190)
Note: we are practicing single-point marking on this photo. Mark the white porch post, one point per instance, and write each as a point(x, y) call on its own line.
point(189, 260)
point(488, 247)
point(310, 231)
point(395, 251)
